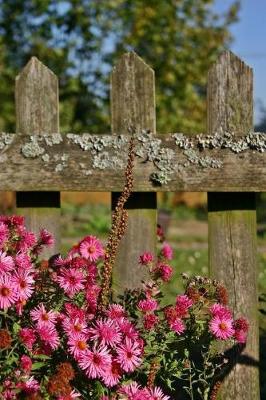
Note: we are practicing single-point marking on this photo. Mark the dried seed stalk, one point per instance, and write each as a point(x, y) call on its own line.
point(154, 367)
point(215, 390)
point(119, 224)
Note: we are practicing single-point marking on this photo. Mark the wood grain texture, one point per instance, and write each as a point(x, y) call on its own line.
point(37, 111)
point(232, 222)
point(133, 107)
point(243, 172)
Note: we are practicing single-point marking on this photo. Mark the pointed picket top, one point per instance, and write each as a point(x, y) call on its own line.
point(37, 99)
point(230, 81)
point(132, 88)
point(227, 56)
point(132, 56)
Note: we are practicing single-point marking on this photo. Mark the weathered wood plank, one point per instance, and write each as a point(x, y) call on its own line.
point(232, 221)
point(133, 108)
point(37, 111)
point(66, 167)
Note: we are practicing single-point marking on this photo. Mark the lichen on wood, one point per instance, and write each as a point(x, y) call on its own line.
point(32, 149)
point(166, 157)
point(5, 139)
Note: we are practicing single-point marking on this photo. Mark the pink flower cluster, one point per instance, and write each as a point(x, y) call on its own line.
point(133, 391)
point(51, 309)
point(107, 347)
point(175, 315)
point(20, 381)
point(18, 247)
point(223, 327)
point(78, 271)
point(159, 269)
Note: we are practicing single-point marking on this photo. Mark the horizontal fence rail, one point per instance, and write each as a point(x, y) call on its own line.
point(174, 162)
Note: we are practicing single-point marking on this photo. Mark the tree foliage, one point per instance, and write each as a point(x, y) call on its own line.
point(80, 40)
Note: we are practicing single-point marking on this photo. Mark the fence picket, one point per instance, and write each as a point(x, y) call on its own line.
point(37, 112)
point(133, 106)
point(232, 220)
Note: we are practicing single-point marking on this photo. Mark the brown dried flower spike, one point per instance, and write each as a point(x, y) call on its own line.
point(119, 223)
point(5, 339)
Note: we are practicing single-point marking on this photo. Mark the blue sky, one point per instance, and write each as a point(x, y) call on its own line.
point(250, 43)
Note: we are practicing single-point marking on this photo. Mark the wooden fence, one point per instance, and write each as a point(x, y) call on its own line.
point(38, 163)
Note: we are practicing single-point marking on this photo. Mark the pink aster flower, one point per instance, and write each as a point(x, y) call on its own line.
point(167, 251)
point(28, 337)
point(71, 281)
point(4, 232)
point(178, 326)
point(49, 336)
point(106, 332)
point(163, 271)
point(128, 355)
point(46, 238)
point(90, 248)
point(71, 396)
point(9, 394)
point(23, 261)
point(133, 391)
point(241, 330)
point(221, 327)
point(20, 304)
point(8, 292)
point(15, 220)
point(74, 326)
point(31, 385)
point(147, 305)
point(218, 310)
point(75, 312)
point(59, 261)
point(92, 273)
point(115, 311)
point(24, 283)
point(183, 303)
point(113, 375)
point(150, 320)
point(96, 363)
point(27, 240)
point(92, 293)
point(77, 345)
point(240, 336)
point(25, 363)
point(241, 324)
point(146, 258)
point(43, 317)
point(6, 263)
point(127, 329)
point(129, 389)
point(157, 394)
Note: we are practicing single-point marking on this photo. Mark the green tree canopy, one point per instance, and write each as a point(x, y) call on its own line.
point(80, 40)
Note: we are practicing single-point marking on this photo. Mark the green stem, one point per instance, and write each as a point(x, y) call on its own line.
point(190, 384)
point(11, 351)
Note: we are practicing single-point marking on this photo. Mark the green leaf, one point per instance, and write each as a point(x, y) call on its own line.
point(41, 357)
point(16, 328)
point(37, 365)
